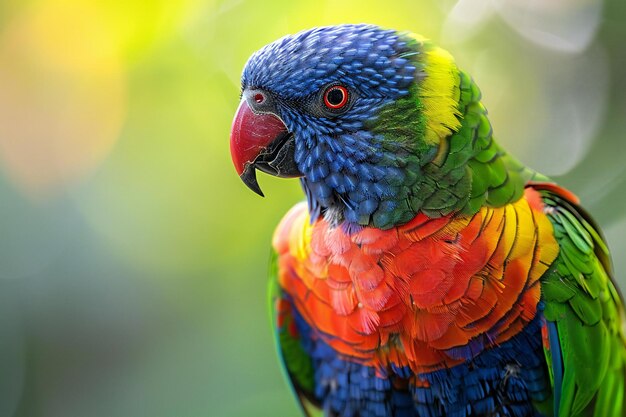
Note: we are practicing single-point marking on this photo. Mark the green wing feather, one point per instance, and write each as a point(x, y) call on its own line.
point(582, 301)
point(297, 364)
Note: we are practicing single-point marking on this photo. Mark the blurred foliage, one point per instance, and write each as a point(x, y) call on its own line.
point(132, 263)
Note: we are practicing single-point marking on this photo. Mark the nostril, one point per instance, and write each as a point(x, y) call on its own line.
point(259, 98)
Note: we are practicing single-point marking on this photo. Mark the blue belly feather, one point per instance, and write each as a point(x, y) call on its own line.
point(500, 382)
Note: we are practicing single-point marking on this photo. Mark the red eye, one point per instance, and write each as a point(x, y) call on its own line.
point(336, 97)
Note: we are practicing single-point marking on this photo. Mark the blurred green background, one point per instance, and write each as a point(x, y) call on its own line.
point(132, 258)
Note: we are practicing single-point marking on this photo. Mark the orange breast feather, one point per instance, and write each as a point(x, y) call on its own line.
point(427, 294)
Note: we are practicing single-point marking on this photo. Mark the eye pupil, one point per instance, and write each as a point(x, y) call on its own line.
point(336, 97)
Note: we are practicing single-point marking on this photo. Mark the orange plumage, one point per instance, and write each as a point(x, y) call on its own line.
point(415, 294)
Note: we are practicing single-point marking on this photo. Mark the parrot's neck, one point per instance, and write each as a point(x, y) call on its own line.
point(464, 171)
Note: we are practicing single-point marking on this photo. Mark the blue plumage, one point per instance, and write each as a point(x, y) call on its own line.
point(500, 382)
point(361, 54)
point(557, 363)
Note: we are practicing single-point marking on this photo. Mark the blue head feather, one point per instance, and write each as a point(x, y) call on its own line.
point(364, 57)
point(351, 172)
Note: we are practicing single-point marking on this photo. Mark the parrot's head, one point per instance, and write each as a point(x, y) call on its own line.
point(359, 113)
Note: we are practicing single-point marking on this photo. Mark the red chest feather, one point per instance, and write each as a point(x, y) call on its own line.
point(426, 294)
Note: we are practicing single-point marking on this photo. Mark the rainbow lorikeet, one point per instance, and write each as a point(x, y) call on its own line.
point(429, 273)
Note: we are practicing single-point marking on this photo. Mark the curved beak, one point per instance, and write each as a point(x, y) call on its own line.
point(260, 140)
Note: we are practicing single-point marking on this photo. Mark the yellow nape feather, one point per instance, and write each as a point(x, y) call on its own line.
point(439, 92)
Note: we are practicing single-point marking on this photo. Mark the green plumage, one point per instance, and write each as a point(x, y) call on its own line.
point(582, 301)
point(472, 170)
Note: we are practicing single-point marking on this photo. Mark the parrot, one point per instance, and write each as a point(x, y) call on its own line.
point(427, 272)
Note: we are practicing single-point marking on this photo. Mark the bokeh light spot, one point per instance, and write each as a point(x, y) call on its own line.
point(64, 95)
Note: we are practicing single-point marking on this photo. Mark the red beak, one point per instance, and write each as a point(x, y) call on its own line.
point(259, 140)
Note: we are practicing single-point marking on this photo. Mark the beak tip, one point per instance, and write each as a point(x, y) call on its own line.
point(259, 192)
point(248, 176)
